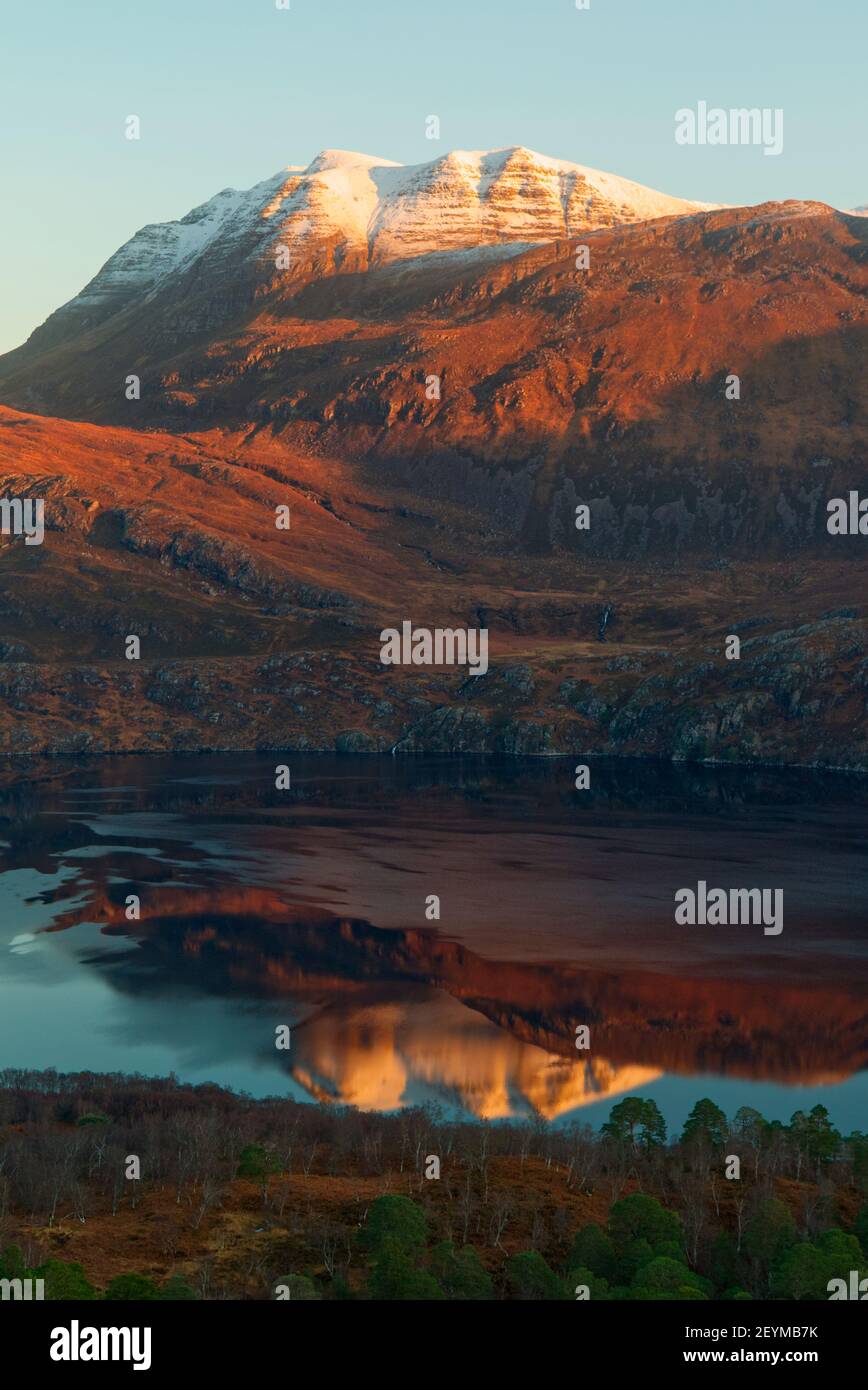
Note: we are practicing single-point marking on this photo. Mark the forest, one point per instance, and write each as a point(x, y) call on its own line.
point(137, 1188)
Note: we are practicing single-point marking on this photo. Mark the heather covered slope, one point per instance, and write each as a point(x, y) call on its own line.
point(253, 637)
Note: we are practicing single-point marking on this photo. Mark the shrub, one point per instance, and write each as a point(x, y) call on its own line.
point(297, 1287)
point(12, 1264)
point(665, 1277)
point(65, 1281)
point(804, 1271)
point(593, 1249)
point(131, 1288)
point(176, 1290)
point(769, 1232)
point(861, 1228)
point(462, 1273)
point(531, 1278)
point(639, 1217)
point(598, 1288)
point(395, 1219)
point(397, 1276)
point(256, 1162)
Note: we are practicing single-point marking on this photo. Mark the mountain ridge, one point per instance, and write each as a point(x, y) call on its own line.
point(377, 211)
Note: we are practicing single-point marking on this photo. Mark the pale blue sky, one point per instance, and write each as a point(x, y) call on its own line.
point(228, 91)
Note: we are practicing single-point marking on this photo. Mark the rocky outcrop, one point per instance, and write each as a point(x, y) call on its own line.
point(799, 698)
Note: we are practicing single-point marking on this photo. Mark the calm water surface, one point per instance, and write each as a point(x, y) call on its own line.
point(308, 907)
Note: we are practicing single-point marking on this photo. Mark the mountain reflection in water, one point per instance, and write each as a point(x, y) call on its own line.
point(308, 908)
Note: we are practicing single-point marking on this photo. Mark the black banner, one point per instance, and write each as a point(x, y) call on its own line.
point(224, 1338)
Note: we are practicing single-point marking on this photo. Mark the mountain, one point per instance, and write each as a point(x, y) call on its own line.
point(434, 383)
point(342, 216)
point(552, 385)
point(357, 212)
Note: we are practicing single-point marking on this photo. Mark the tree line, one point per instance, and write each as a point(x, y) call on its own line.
point(674, 1215)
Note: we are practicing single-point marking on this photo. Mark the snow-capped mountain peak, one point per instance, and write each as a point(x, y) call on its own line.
point(347, 210)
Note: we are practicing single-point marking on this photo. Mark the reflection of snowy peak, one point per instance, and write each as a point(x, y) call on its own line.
point(365, 211)
point(438, 1051)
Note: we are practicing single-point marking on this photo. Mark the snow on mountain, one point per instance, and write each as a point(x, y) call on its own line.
point(156, 252)
point(376, 211)
point(158, 249)
point(472, 198)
